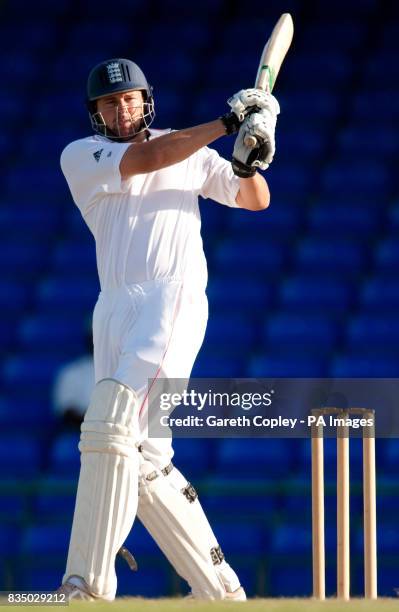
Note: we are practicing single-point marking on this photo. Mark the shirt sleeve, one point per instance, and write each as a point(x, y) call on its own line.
point(219, 181)
point(91, 168)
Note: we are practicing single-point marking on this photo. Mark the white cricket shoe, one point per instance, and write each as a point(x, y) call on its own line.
point(237, 595)
point(76, 588)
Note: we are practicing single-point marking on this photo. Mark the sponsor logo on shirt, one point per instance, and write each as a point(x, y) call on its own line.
point(97, 155)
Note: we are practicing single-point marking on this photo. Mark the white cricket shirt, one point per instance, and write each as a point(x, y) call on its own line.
point(147, 227)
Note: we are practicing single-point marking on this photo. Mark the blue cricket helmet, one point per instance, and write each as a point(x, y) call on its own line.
point(117, 76)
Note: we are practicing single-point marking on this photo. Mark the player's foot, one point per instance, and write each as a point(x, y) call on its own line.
point(76, 588)
point(237, 595)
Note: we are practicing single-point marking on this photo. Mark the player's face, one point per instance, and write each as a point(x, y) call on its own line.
point(122, 112)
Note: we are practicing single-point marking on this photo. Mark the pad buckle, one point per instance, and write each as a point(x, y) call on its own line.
point(217, 555)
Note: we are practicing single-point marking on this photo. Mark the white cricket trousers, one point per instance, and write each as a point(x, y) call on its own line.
point(148, 330)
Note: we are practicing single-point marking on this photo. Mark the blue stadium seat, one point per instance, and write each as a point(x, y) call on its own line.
point(7, 333)
point(268, 457)
point(22, 179)
point(65, 456)
point(233, 67)
point(10, 108)
point(373, 330)
point(324, 105)
point(45, 540)
point(30, 220)
point(380, 294)
point(316, 331)
point(313, 142)
point(55, 500)
point(50, 331)
point(358, 365)
point(192, 456)
point(17, 412)
point(249, 258)
point(52, 144)
point(288, 364)
point(149, 581)
point(229, 294)
point(240, 538)
point(9, 539)
point(194, 35)
point(14, 508)
point(25, 259)
point(355, 141)
point(340, 257)
point(365, 176)
point(391, 456)
point(333, 12)
point(74, 80)
point(316, 294)
point(220, 365)
point(140, 541)
point(85, 33)
point(291, 178)
point(20, 65)
point(290, 580)
point(35, 370)
point(291, 539)
point(68, 293)
point(385, 104)
point(387, 499)
point(230, 329)
point(347, 34)
point(20, 456)
point(47, 9)
point(372, 67)
point(243, 496)
point(284, 217)
point(351, 221)
point(38, 33)
point(44, 575)
point(393, 214)
point(387, 255)
point(180, 64)
point(332, 67)
point(75, 255)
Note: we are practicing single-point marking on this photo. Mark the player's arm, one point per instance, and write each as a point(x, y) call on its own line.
point(253, 193)
point(169, 149)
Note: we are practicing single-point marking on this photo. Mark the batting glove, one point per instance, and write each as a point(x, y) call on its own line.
point(247, 101)
point(247, 160)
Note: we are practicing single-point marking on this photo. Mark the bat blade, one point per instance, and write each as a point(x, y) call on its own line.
point(272, 58)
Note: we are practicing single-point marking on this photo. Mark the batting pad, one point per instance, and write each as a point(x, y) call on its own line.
point(106, 501)
point(169, 509)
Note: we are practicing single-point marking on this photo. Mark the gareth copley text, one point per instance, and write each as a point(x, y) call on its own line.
point(261, 421)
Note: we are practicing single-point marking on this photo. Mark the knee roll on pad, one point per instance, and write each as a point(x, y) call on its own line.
point(106, 501)
point(172, 514)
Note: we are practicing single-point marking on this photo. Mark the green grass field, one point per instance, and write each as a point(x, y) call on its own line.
point(254, 605)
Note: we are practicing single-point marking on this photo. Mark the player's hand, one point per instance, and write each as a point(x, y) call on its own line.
point(247, 160)
point(247, 101)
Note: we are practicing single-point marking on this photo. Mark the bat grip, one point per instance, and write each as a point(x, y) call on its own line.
point(250, 142)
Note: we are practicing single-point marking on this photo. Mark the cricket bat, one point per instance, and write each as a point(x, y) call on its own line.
point(271, 59)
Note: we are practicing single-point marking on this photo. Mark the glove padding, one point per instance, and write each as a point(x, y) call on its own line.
point(247, 160)
point(247, 101)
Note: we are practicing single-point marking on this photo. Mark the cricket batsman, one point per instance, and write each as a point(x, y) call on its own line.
point(137, 189)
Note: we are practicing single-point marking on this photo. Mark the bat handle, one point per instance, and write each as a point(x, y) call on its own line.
point(250, 142)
